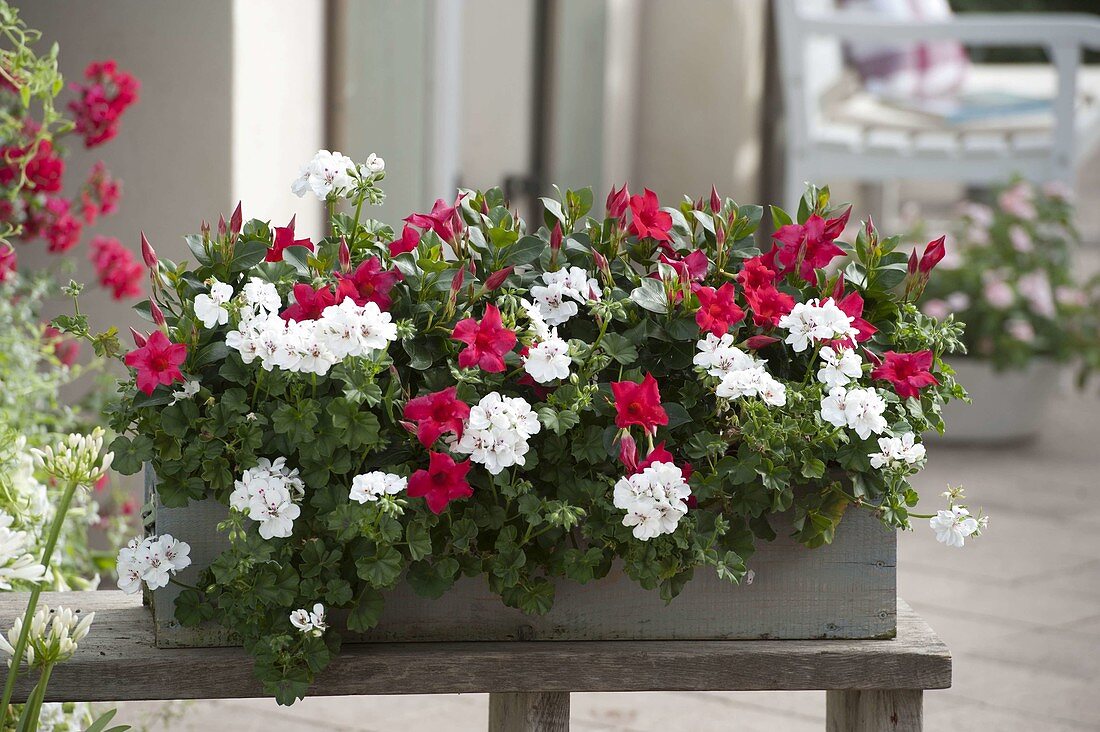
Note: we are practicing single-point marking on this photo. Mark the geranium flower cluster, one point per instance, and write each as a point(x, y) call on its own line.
point(655, 499)
point(269, 494)
point(153, 560)
point(497, 431)
point(740, 374)
point(102, 99)
point(310, 621)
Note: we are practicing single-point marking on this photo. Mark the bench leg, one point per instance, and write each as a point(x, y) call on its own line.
point(900, 710)
point(529, 712)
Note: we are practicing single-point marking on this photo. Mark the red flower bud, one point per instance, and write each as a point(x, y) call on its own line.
point(236, 220)
point(757, 342)
point(715, 200)
point(555, 237)
point(139, 339)
point(600, 260)
point(147, 252)
point(912, 262)
point(221, 227)
point(628, 453)
point(457, 280)
point(345, 256)
point(157, 313)
point(617, 201)
point(496, 279)
point(934, 251)
point(204, 229)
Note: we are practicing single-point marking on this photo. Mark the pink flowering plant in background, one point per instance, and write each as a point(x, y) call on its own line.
point(467, 395)
point(1012, 279)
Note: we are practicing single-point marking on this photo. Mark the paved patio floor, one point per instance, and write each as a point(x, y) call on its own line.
point(1019, 609)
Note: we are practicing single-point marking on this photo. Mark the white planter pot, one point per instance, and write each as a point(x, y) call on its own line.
point(1006, 406)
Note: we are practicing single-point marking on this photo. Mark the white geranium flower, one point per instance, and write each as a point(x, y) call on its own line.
point(275, 512)
point(813, 322)
point(654, 500)
point(575, 282)
point(548, 360)
point(858, 409)
point(372, 486)
point(897, 452)
point(554, 303)
point(374, 164)
point(210, 309)
point(310, 622)
point(326, 174)
point(376, 328)
point(833, 405)
point(496, 432)
point(189, 389)
point(261, 296)
point(839, 366)
point(538, 325)
point(953, 526)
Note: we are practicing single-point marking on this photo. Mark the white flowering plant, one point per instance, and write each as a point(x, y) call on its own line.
point(469, 396)
point(1013, 280)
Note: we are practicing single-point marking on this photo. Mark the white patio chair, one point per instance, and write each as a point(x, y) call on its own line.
point(836, 132)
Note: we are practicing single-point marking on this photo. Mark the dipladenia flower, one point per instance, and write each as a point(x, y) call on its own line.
point(437, 413)
point(408, 241)
point(647, 218)
point(908, 373)
point(309, 304)
point(157, 362)
point(717, 309)
point(368, 283)
point(639, 404)
point(486, 341)
point(809, 246)
point(284, 237)
point(442, 482)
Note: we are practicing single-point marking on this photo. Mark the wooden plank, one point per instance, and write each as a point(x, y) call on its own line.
point(119, 661)
point(844, 590)
point(875, 710)
point(532, 712)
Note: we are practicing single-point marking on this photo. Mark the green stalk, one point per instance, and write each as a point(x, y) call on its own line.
point(28, 721)
point(32, 603)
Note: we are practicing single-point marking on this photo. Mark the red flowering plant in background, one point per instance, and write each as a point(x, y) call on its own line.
point(470, 395)
point(35, 206)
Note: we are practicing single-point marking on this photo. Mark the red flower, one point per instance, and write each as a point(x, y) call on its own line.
point(755, 274)
point(65, 349)
point(808, 245)
point(617, 201)
point(717, 310)
point(647, 218)
point(100, 194)
point(444, 220)
point(101, 102)
point(436, 413)
point(486, 342)
point(44, 171)
point(693, 267)
point(443, 482)
point(8, 261)
point(116, 267)
point(157, 362)
point(907, 372)
point(284, 237)
point(59, 227)
point(628, 454)
point(368, 283)
point(638, 404)
point(308, 303)
point(852, 306)
point(409, 240)
point(768, 305)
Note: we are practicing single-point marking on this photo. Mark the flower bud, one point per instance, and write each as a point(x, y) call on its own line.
point(496, 279)
point(457, 280)
point(617, 201)
point(147, 252)
point(757, 342)
point(715, 200)
point(934, 251)
point(555, 237)
point(345, 256)
point(157, 313)
point(236, 220)
point(222, 228)
point(139, 339)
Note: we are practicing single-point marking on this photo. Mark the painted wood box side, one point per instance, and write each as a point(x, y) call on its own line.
point(844, 590)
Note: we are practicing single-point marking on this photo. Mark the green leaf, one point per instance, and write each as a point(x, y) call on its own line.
point(559, 422)
point(463, 534)
point(619, 348)
point(418, 540)
point(431, 581)
point(536, 597)
point(247, 255)
point(382, 568)
point(367, 610)
point(277, 588)
point(131, 454)
point(650, 295)
point(179, 418)
point(194, 243)
point(191, 610)
point(525, 251)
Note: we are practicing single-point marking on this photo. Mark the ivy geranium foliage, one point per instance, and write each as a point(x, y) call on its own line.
point(470, 396)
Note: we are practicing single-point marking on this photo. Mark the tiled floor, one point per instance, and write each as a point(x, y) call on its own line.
point(1019, 608)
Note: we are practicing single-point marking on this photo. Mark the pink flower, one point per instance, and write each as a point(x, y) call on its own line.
point(693, 267)
point(61, 229)
point(768, 305)
point(852, 306)
point(717, 310)
point(444, 481)
point(1018, 201)
point(617, 201)
point(116, 268)
point(647, 220)
point(309, 304)
point(437, 413)
point(444, 220)
point(638, 404)
point(409, 240)
point(44, 171)
point(102, 101)
point(368, 283)
point(65, 349)
point(907, 372)
point(486, 342)
point(157, 362)
point(284, 237)
point(808, 246)
point(755, 274)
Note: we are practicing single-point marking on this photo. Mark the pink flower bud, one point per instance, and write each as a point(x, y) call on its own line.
point(496, 279)
point(222, 228)
point(715, 200)
point(556, 237)
point(157, 313)
point(912, 268)
point(147, 252)
point(236, 220)
point(628, 453)
point(934, 251)
point(757, 342)
point(345, 256)
point(600, 260)
point(139, 339)
point(617, 201)
point(457, 280)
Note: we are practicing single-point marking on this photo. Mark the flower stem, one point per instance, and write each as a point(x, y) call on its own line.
point(184, 585)
point(32, 602)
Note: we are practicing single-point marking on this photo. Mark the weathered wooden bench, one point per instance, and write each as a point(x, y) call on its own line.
point(871, 685)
